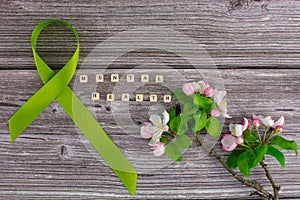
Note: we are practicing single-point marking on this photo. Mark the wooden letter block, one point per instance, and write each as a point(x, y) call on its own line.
point(153, 98)
point(167, 98)
point(99, 78)
point(159, 78)
point(125, 97)
point(130, 78)
point(139, 97)
point(114, 78)
point(95, 96)
point(110, 97)
point(144, 78)
point(83, 78)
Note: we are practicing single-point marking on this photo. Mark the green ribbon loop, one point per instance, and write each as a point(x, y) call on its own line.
point(56, 88)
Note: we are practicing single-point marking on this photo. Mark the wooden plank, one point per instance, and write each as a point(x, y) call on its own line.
point(50, 159)
point(56, 164)
point(246, 37)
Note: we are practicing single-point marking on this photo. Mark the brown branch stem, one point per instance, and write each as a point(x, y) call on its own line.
point(259, 188)
point(268, 174)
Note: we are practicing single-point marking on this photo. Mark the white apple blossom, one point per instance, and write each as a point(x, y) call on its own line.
point(219, 99)
point(268, 121)
point(238, 129)
point(155, 130)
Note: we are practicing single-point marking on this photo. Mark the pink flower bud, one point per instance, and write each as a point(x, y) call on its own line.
point(188, 89)
point(208, 92)
point(279, 129)
point(215, 113)
point(159, 149)
point(255, 122)
point(239, 140)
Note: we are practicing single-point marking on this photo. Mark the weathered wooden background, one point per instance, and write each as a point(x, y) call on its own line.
point(256, 47)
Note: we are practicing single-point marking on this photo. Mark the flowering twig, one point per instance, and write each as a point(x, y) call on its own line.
point(268, 174)
point(253, 184)
point(202, 107)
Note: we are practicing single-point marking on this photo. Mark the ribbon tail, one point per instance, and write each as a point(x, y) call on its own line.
point(128, 179)
point(89, 126)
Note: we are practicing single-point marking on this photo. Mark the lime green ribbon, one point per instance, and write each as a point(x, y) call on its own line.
point(56, 88)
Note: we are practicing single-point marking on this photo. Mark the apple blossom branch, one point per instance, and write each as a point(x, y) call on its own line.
point(253, 184)
point(248, 142)
point(276, 188)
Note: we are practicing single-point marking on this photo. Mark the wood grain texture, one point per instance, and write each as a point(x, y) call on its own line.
point(246, 37)
point(56, 164)
point(255, 46)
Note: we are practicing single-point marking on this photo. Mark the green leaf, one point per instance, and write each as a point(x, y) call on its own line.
point(175, 123)
point(179, 159)
point(179, 125)
point(182, 97)
point(173, 152)
point(189, 109)
point(214, 106)
point(183, 126)
point(233, 157)
point(183, 142)
point(213, 127)
point(243, 164)
point(251, 157)
point(250, 136)
point(200, 120)
point(260, 153)
point(203, 102)
point(277, 154)
point(285, 144)
point(164, 138)
point(172, 113)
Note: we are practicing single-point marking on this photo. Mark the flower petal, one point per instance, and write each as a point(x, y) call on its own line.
point(197, 87)
point(238, 130)
point(156, 136)
point(166, 117)
point(231, 148)
point(148, 130)
point(245, 126)
point(249, 123)
point(145, 133)
point(188, 89)
point(202, 86)
point(231, 127)
point(219, 96)
point(228, 140)
point(268, 121)
point(159, 149)
point(166, 128)
point(256, 122)
point(215, 113)
point(208, 92)
point(239, 140)
point(223, 106)
point(279, 122)
point(226, 115)
point(156, 120)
